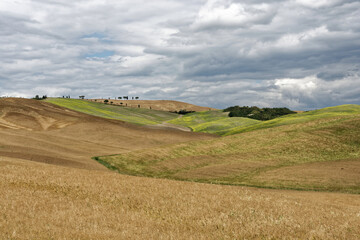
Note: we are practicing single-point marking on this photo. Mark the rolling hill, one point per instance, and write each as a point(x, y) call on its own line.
point(302, 117)
point(270, 154)
point(140, 116)
point(215, 122)
point(50, 187)
point(41, 131)
point(162, 105)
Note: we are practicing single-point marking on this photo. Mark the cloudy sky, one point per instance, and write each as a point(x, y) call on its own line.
point(302, 54)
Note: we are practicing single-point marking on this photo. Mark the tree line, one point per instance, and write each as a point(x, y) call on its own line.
point(257, 113)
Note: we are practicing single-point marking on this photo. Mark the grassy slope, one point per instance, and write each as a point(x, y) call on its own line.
point(260, 158)
point(216, 122)
point(329, 112)
point(133, 115)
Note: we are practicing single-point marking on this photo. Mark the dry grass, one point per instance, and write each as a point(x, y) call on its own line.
point(41, 201)
point(340, 175)
point(162, 105)
point(245, 159)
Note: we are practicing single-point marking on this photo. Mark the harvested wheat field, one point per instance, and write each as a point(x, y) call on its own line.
point(50, 187)
point(163, 105)
point(41, 201)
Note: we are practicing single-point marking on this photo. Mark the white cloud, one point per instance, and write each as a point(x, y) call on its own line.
point(222, 13)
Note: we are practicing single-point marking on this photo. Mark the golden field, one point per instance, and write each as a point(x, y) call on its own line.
point(41, 201)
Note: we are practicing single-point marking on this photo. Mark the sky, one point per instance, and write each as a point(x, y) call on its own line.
point(300, 54)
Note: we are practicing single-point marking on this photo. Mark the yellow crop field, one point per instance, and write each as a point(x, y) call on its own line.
point(41, 201)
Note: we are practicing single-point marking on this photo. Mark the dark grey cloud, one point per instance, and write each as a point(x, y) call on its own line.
point(301, 54)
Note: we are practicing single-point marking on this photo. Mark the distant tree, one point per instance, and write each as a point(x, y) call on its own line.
point(183, 111)
point(257, 113)
point(136, 98)
point(119, 98)
point(37, 97)
point(82, 97)
point(106, 101)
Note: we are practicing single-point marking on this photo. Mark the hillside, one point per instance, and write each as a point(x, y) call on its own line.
point(140, 116)
point(162, 105)
point(215, 122)
point(40, 131)
point(317, 150)
point(302, 117)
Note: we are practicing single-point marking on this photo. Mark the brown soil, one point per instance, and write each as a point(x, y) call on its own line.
point(163, 105)
point(43, 132)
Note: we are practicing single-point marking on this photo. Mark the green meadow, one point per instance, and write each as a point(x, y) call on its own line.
point(138, 116)
point(330, 112)
point(218, 122)
point(215, 122)
point(316, 150)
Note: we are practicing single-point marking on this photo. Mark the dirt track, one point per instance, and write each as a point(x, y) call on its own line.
point(39, 131)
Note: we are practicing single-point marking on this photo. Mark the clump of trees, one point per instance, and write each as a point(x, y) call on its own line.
point(37, 97)
point(127, 98)
point(182, 111)
point(257, 113)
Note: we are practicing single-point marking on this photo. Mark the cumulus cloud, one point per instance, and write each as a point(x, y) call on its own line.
point(223, 13)
point(296, 53)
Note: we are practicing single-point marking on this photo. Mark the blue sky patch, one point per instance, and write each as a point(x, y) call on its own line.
point(102, 54)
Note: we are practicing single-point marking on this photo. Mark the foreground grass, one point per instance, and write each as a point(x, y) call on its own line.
point(215, 122)
point(138, 116)
point(317, 151)
point(41, 201)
